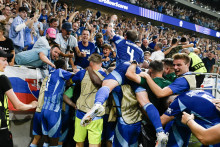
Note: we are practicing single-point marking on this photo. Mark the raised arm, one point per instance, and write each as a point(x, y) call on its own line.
point(72, 16)
point(110, 29)
point(205, 136)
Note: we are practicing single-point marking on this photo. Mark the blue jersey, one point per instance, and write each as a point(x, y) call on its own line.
point(126, 50)
point(83, 61)
point(53, 97)
point(195, 102)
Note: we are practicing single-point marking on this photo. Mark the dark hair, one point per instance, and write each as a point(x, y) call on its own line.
point(156, 66)
point(168, 62)
point(183, 39)
point(60, 64)
point(174, 41)
point(132, 35)
point(53, 20)
point(99, 35)
point(23, 9)
point(2, 26)
point(55, 45)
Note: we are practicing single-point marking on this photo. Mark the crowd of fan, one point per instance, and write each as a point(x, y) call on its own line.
point(173, 9)
point(28, 27)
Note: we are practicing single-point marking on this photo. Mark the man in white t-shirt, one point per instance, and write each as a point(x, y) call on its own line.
point(157, 54)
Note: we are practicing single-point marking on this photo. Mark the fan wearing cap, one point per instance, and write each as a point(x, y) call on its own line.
point(6, 92)
point(153, 43)
point(68, 42)
point(45, 41)
point(16, 32)
point(209, 61)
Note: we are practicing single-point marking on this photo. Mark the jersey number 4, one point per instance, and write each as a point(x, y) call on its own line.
point(131, 53)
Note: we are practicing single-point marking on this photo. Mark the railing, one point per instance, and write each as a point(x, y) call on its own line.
point(215, 88)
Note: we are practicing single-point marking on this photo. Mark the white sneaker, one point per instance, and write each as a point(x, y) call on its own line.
point(162, 139)
point(96, 110)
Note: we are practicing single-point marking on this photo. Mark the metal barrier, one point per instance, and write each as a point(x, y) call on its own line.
point(215, 88)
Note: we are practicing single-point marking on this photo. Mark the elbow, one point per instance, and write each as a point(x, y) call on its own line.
point(204, 141)
point(129, 75)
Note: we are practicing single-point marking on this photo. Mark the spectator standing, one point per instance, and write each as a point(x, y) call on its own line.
point(6, 92)
point(7, 17)
point(144, 46)
point(154, 42)
point(87, 47)
point(209, 61)
point(17, 30)
point(68, 42)
point(6, 44)
point(99, 43)
point(53, 23)
point(107, 57)
point(157, 54)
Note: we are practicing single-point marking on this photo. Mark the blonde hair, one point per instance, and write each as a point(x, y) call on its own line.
point(182, 56)
point(95, 58)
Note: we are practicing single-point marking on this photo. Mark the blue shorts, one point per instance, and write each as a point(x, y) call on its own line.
point(109, 129)
point(126, 134)
point(118, 74)
point(51, 123)
point(37, 130)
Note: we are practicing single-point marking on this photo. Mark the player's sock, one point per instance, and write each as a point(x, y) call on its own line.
point(154, 116)
point(33, 145)
point(46, 144)
point(102, 95)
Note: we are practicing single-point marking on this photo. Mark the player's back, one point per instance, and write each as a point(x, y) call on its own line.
point(126, 50)
point(55, 88)
point(200, 104)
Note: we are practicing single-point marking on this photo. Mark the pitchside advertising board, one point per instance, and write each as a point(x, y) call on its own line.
point(129, 8)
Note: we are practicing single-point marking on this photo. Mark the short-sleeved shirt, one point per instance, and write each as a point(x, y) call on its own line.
point(180, 85)
point(152, 45)
point(31, 57)
point(194, 102)
point(7, 45)
point(72, 42)
point(43, 17)
point(17, 37)
point(54, 90)
point(208, 63)
point(126, 50)
point(42, 43)
point(157, 55)
point(83, 61)
point(173, 51)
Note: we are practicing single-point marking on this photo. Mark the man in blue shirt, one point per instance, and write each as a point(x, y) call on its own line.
point(87, 47)
point(53, 98)
point(16, 32)
point(195, 102)
point(153, 43)
point(126, 51)
point(184, 82)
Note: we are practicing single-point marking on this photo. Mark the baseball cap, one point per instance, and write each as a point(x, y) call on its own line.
point(67, 26)
point(154, 37)
point(51, 32)
point(6, 55)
